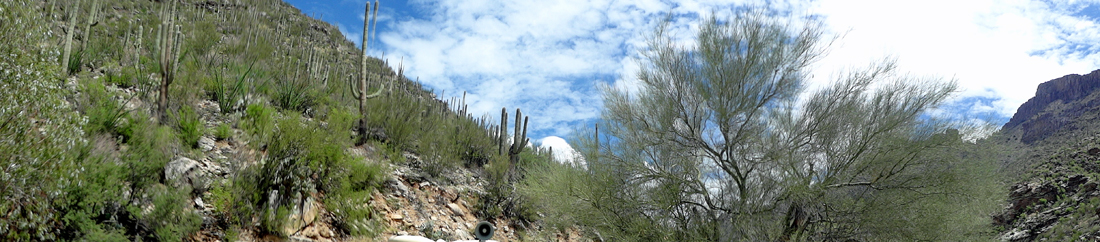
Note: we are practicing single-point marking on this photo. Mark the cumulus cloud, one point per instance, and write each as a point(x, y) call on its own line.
point(997, 50)
point(563, 152)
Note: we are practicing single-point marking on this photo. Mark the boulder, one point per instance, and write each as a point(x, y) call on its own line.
point(455, 209)
point(206, 144)
point(182, 171)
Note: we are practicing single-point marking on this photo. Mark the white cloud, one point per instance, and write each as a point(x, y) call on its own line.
point(547, 56)
point(998, 49)
point(563, 152)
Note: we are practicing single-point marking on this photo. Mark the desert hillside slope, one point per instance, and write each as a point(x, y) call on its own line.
point(227, 120)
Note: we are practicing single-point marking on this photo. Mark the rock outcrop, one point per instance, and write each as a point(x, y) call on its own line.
point(1053, 142)
point(1037, 124)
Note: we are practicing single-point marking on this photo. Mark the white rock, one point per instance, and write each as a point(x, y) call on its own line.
point(206, 144)
point(181, 172)
point(455, 209)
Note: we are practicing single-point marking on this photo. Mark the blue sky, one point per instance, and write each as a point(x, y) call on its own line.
point(547, 57)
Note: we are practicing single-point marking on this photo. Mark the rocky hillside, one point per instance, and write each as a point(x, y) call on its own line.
point(235, 120)
point(1051, 147)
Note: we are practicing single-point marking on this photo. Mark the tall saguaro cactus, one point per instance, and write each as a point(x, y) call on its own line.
point(69, 35)
point(519, 137)
point(360, 90)
point(168, 54)
point(88, 27)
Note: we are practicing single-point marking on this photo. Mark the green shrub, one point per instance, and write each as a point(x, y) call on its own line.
point(151, 147)
point(121, 78)
point(105, 114)
point(190, 127)
point(294, 94)
point(171, 218)
point(203, 37)
point(97, 195)
point(228, 93)
point(75, 62)
point(259, 123)
point(223, 132)
point(40, 128)
point(355, 181)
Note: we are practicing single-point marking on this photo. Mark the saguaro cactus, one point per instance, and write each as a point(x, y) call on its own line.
point(168, 54)
point(519, 137)
point(88, 27)
point(360, 90)
point(69, 35)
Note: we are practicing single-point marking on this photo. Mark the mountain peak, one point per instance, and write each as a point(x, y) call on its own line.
point(1036, 123)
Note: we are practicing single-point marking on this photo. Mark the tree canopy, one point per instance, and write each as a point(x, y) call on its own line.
point(723, 141)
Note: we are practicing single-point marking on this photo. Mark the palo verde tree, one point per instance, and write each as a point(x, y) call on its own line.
point(722, 142)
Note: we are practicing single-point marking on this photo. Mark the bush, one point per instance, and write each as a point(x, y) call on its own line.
point(295, 95)
point(355, 180)
point(105, 114)
point(151, 147)
point(190, 127)
point(228, 93)
point(75, 62)
point(171, 218)
point(259, 123)
point(40, 128)
point(223, 132)
point(96, 198)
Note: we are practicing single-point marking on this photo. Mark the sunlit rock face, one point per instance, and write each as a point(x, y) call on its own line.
point(1055, 104)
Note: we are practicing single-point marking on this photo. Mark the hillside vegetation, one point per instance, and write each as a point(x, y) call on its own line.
point(181, 120)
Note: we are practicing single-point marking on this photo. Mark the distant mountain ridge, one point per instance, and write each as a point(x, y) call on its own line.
point(1036, 124)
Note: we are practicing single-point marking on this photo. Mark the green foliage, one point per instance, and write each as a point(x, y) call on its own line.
point(294, 94)
point(76, 61)
point(40, 127)
point(306, 157)
point(122, 79)
point(190, 126)
point(355, 180)
point(259, 122)
point(105, 114)
point(204, 36)
point(229, 93)
point(223, 132)
point(853, 161)
point(170, 218)
point(95, 196)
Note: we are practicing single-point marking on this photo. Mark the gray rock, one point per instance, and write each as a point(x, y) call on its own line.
point(1015, 235)
point(397, 187)
point(182, 171)
point(206, 144)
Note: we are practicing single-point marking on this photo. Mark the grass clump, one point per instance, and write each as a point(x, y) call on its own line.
point(105, 114)
point(258, 122)
point(190, 127)
point(223, 132)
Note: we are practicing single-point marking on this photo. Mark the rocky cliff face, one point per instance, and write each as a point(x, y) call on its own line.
point(1051, 150)
point(1037, 124)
